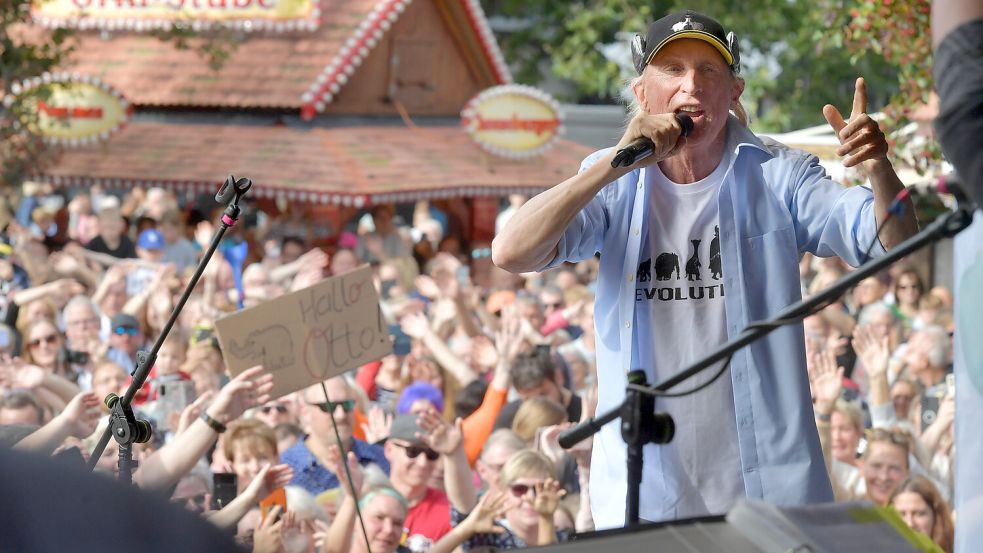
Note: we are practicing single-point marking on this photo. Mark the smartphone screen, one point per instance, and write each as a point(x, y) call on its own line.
point(172, 397)
point(930, 409)
point(402, 343)
point(278, 497)
point(463, 275)
point(224, 486)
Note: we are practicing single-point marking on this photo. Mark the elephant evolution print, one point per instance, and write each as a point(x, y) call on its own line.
point(667, 274)
point(272, 346)
point(665, 264)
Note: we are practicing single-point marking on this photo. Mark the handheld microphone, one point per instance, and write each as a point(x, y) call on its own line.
point(644, 147)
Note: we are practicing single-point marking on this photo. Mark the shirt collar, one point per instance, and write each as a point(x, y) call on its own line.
point(739, 136)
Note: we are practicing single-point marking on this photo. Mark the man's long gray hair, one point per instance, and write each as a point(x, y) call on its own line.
point(634, 107)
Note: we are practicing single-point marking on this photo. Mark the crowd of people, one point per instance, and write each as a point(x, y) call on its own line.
point(451, 440)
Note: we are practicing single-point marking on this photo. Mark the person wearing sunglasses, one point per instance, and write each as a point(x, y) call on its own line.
point(125, 339)
point(276, 412)
point(308, 457)
point(518, 516)
point(412, 462)
point(908, 290)
point(43, 343)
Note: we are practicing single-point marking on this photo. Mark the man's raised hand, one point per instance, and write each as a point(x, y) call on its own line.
point(861, 138)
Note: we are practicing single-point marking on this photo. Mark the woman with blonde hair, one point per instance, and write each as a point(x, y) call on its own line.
point(536, 413)
point(519, 516)
point(43, 347)
point(921, 506)
point(886, 463)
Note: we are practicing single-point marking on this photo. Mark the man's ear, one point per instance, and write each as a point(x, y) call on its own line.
point(639, 90)
point(737, 90)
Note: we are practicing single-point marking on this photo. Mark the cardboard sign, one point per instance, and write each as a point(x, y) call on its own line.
point(305, 337)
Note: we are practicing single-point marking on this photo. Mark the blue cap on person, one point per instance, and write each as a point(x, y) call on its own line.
point(685, 24)
point(151, 239)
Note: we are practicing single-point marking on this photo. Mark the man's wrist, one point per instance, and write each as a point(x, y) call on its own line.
point(877, 167)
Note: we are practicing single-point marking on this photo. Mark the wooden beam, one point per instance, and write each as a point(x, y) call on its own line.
point(469, 44)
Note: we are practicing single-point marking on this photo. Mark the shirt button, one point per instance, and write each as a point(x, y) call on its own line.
point(631, 277)
point(627, 324)
point(635, 232)
point(639, 185)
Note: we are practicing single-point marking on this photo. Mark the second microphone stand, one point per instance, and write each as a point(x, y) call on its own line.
point(124, 427)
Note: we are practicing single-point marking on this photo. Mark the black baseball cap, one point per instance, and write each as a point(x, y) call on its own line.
point(685, 24)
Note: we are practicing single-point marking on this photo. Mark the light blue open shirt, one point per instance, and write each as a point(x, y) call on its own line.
point(774, 204)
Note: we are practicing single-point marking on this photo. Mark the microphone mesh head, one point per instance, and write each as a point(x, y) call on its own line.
point(686, 122)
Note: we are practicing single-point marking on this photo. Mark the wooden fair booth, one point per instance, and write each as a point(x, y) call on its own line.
point(329, 106)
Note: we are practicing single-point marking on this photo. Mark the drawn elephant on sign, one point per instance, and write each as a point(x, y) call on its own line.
point(272, 346)
point(665, 264)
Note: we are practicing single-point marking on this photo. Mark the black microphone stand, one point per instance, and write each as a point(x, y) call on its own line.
point(124, 427)
point(945, 226)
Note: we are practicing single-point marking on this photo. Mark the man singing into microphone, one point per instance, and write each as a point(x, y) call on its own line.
point(696, 241)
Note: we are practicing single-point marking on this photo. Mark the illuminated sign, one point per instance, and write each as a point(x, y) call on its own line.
point(148, 15)
point(513, 121)
point(70, 109)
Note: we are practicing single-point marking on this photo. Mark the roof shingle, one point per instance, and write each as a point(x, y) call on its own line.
point(360, 165)
point(266, 70)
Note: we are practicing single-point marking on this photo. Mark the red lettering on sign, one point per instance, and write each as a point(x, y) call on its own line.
point(538, 126)
point(69, 113)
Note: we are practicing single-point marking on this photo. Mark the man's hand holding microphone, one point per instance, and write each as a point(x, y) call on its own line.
point(659, 136)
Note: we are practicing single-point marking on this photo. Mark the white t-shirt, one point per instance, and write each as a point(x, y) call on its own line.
point(679, 289)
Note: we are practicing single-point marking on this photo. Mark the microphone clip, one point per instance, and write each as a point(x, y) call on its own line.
point(233, 190)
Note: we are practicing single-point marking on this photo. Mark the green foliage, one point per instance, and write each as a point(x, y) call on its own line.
point(791, 76)
point(27, 52)
point(897, 31)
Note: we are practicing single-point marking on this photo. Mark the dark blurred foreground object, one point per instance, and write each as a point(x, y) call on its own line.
point(958, 75)
point(52, 507)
